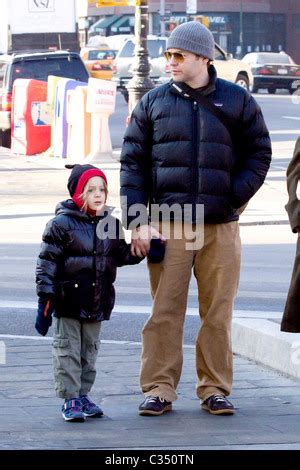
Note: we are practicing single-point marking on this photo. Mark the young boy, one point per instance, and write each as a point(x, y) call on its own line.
point(82, 247)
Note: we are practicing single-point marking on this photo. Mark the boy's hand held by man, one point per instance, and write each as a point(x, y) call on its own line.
point(157, 250)
point(141, 238)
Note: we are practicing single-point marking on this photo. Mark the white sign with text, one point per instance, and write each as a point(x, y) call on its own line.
point(40, 5)
point(41, 16)
point(191, 7)
point(101, 97)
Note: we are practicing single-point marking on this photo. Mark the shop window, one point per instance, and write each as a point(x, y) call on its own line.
point(296, 21)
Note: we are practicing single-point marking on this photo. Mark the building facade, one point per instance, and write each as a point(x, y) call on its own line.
point(38, 24)
point(239, 26)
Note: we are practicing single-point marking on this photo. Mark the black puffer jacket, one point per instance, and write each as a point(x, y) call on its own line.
point(78, 260)
point(175, 151)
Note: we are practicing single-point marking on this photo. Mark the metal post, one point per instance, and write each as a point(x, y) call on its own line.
point(162, 13)
point(241, 29)
point(140, 82)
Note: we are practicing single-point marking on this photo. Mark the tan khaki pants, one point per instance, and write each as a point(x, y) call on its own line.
point(216, 267)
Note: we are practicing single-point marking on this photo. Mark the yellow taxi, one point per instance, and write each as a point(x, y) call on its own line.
point(99, 61)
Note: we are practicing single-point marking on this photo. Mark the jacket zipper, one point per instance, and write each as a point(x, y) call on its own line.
point(195, 176)
point(94, 255)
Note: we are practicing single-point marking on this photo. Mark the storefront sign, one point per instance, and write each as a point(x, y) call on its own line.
point(40, 5)
point(222, 19)
point(213, 19)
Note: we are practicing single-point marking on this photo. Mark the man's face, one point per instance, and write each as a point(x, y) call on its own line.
point(186, 66)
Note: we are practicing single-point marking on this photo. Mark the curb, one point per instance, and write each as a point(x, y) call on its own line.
point(262, 341)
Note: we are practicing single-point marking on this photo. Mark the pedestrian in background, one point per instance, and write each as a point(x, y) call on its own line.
point(75, 273)
point(291, 317)
point(179, 148)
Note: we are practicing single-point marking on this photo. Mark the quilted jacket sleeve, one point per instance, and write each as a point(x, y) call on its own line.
point(135, 166)
point(254, 154)
point(293, 178)
point(124, 254)
point(50, 257)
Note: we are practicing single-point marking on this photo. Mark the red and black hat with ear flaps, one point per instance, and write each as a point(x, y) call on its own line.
point(78, 178)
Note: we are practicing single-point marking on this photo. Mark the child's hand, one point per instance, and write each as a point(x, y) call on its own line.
point(141, 238)
point(157, 250)
point(44, 316)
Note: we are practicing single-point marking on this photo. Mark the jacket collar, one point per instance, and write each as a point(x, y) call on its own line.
point(69, 207)
point(181, 88)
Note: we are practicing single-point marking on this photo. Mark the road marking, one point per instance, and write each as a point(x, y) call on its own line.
point(284, 131)
point(291, 117)
point(266, 96)
point(145, 291)
point(24, 216)
point(241, 293)
point(17, 258)
point(103, 341)
point(145, 309)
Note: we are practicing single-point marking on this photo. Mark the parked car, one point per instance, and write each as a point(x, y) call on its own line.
point(231, 69)
point(228, 68)
point(122, 66)
point(273, 70)
point(38, 65)
point(99, 61)
point(113, 42)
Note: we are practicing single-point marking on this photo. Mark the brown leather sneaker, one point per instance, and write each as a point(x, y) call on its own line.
point(218, 405)
point(154, 406)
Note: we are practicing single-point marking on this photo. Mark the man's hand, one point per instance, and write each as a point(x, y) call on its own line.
point(140, 240)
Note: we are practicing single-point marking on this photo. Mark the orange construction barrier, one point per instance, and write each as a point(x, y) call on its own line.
point(31, 120)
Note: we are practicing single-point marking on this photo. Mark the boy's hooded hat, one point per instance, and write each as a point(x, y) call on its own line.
point(78, 178)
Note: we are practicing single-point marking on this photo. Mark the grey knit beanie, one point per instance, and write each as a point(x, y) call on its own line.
point(193, 37)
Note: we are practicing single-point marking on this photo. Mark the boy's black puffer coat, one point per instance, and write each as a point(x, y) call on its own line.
point(77, 264)
point(177, 151)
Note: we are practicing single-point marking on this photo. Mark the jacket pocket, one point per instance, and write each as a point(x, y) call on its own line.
point(61, 345)
point(61, 364)
point(76, 296)
point(61, 353)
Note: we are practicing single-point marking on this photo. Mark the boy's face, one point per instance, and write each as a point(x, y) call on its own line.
point(96, 194)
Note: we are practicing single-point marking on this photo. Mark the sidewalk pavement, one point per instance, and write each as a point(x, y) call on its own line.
point(267, 416)
point(267, 400)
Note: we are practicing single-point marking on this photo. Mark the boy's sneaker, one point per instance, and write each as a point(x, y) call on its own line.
point(218, 405)
point(89, 408)
point(71, 411)
point(154, 406)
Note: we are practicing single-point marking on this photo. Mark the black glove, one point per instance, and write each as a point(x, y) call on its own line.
point(157, 250)
point(44, 316)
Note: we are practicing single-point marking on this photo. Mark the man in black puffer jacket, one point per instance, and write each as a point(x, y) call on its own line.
point(179, 152)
